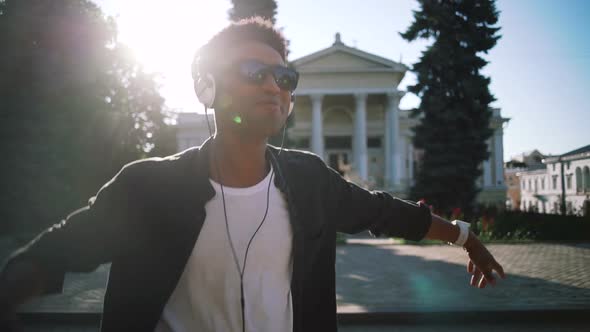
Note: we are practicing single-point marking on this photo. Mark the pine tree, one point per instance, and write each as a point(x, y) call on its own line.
point(248, 8)
point(455, 99)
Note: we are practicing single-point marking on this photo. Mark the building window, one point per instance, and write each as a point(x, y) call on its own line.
point(554, 179)
point(586, 178)
point(543, 184)
point(568, 179)
point(568, 165)
point(301, 143)
point(579, 180)
point(554, 167)
point(536, 187)
point(374, 142)
point(338, 142)
point(530, 186)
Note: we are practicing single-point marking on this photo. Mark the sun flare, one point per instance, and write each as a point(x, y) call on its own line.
point(164, 37)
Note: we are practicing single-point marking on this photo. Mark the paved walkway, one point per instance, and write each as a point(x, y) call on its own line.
point(389, 277)
point(384, 277)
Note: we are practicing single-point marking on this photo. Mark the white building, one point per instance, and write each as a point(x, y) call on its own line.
point(347, 112)
point(192, 129)
point(542, 188)
point(532, 160)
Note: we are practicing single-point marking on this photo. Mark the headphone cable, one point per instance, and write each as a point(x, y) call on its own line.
point(235, 256)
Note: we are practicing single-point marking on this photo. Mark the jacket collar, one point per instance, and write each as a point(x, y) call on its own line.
point(199, 159)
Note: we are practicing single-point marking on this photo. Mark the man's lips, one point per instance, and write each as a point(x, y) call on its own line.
point(269, 104)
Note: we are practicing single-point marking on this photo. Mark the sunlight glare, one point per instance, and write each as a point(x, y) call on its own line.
point(164, 37)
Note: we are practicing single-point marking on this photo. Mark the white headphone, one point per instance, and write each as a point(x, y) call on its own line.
point(205, 89)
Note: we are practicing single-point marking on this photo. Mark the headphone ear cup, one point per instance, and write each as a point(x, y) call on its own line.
point(291, 105)
point(205, 90)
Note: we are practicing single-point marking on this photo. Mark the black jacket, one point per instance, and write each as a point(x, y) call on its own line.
point(147, 218)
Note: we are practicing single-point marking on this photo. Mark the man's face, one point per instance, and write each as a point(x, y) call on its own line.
point(253, 109)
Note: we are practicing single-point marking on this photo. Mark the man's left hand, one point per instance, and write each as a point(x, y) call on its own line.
point(481, 264)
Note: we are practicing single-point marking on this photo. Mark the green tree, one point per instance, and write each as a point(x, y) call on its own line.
point(455, 99)
point(248, 8)
point(75, 107)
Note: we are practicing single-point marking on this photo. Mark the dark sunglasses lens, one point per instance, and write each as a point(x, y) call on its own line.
point(255, 72)
point(252, 71)
point(286, 78)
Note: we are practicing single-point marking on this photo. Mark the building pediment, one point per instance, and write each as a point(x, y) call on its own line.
point(342, 58)
point(342, 69)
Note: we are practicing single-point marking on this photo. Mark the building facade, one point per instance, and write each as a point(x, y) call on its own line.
point(347, 112)
point(518, 164)
point(542, 189)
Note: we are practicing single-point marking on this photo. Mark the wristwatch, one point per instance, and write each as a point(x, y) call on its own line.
point(463, 232)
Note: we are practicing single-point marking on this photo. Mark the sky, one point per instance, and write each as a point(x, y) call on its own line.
point(540, 68)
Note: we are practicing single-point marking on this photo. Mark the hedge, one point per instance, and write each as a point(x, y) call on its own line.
point(536, 226)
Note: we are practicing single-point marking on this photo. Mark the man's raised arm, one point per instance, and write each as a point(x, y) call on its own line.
point(81, 242)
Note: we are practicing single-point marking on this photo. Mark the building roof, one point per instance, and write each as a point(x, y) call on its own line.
point(579, 153)
point(339, 46)
point(581, 150)
point(537, 167)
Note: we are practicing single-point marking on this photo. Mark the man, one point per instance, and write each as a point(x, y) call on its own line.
point(232, 235)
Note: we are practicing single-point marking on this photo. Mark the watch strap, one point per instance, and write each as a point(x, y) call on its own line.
point(463, 232)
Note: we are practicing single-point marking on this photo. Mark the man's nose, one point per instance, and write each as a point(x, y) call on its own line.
point(269, 84)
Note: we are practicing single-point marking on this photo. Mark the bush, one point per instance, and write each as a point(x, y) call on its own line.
point(516, 225)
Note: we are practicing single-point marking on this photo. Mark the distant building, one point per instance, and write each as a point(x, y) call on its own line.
point(518, 164)
point(542, 186)
point(347, 112)
point(192, 129)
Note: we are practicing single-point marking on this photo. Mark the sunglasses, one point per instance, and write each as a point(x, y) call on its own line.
point(255, 72)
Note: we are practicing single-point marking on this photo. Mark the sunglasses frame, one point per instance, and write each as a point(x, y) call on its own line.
point(256, 67)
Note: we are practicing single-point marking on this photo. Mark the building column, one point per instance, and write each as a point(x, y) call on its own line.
point(360, 136)
point(393, 108)
point(403, 150)
point(411, 162)
point(499, 157)
point(487, 169)
point(317, 132)
point(388, 176)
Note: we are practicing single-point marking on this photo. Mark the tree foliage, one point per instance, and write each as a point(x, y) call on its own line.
point(248, 8)
point(455, 99)
point(75, 107)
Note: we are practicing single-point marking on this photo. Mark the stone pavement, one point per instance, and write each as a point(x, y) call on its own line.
point(381, 276)
point(409, 278)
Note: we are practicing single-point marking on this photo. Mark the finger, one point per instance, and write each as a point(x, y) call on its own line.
point(482, 282)
point(475, 277)
point(500, 270)
point(489, 277)
point(470, 267)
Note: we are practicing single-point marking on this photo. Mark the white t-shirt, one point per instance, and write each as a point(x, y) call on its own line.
point(207, 296)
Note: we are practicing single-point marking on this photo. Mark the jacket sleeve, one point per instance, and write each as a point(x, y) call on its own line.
point(357, 209)
point(86, 238)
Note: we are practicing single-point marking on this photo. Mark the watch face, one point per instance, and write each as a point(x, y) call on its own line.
point(463, 223)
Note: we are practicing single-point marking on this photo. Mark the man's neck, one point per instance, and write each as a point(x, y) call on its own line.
point(236, 161)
